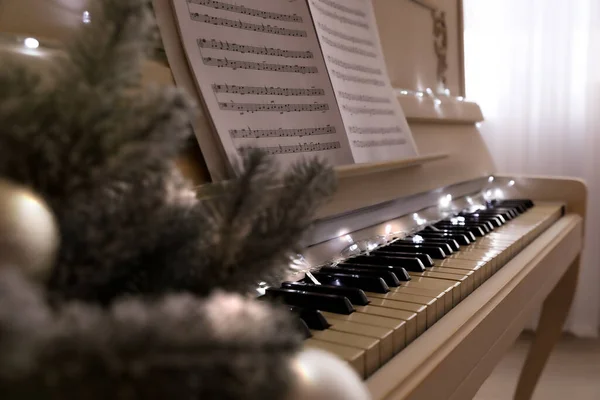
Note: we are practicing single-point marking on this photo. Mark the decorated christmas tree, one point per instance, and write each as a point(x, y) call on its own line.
point(143, 292)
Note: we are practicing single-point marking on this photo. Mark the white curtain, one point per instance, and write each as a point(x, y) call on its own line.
point(534, 68)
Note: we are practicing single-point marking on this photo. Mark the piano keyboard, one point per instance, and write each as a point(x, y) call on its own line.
point(368, 307)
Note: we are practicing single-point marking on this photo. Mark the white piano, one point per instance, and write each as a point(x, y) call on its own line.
point(439, 335)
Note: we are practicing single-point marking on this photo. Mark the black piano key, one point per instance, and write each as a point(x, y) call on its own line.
point(303, 328)
point(355, 295)
point(395, 252)
point(496, 220)
point(446, 247)
point(409, 264)
point(470, 235)
point(432, 251)
point(388, 276)
point(476, 232)
point(400, 272)
point(366, 283)
point(319, 301)
point(312, 318)
point(462, 240)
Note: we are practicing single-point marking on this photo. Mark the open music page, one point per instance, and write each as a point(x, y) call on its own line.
point(262, 77)
point(375, 123)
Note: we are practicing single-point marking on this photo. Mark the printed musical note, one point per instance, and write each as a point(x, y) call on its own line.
point(378, 143)
point(221, 5)
point(234, 64)
point(363, 98)
point(230, 23)
point(341, 35)
point(345, 9)
point(340, 18)
point(264, 51)
point(367, 111)
point(374, 130)
point(354, 67)
point(267, 133)
point(266, 91)
point(296, 148)
point(271, 107)
point(349, 49)
point(357, 79)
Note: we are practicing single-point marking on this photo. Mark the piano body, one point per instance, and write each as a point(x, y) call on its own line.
point(439, 334)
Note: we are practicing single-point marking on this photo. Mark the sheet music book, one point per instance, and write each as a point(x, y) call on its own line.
point(294, 78)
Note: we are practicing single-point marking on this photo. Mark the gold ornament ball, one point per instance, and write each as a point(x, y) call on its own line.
point(322, 376)
point(29, 237)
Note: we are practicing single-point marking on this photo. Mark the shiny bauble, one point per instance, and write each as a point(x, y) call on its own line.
point(322, 376)
point(29, 236)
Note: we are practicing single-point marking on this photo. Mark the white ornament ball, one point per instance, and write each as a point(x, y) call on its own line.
point(29, 237)
point(323, 376)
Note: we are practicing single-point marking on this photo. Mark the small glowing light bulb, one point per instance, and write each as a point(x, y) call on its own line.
point(419, 94)
point(511, 183)
point(418, 239)
point(437, 102)
point(445, 200)
point(429, 91)
point(460, 98)
point(404, 92)
point(491, 179)
point(447, 92)
point(470, 200)
point(31, 43)
point(86, 17)
point(478, 124)
point(348, 238)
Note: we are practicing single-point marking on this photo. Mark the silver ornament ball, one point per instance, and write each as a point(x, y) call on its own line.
point(323, 376)
point(29, 236)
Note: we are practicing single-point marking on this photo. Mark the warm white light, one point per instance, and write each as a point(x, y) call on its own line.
point(470, 200)
point(354, 247)
point(348, 239)
point(499, 194)
point(491, 179)
point(404, 92)
point(478, 124)
point(418, 239)
point(511, 183)
point(86, 17)
point(388, 229)
point(419, 94)
point(460, 98)
point(429, 91)
point(31, 43)
point(437, 102)
point(445, 201)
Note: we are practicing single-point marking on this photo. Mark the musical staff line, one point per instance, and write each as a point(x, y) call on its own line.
point(341, 35)
point(363, 98)
point(241, 48)
point(374, 130)
point(341, 18)
point(272, 107)
point(357, 79)
point(378, 143)
point(349, 49)
point(367, 111)
point(273, 30)
point(345, 9)
point(253, 12)
point(258, 66)
point(266, 90)
point(268, 133)
point(297, 148)
point(354, 67)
